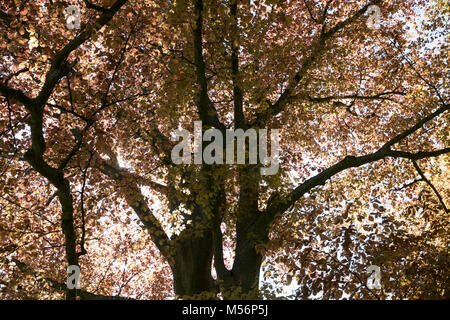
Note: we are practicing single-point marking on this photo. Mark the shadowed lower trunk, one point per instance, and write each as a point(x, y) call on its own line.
point(246, 267)
point(192, 268)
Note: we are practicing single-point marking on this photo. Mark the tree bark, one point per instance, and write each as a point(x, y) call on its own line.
point(193, 265)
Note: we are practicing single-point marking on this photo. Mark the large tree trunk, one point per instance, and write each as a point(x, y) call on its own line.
point(245, 272)
point(194, 252)
point(192, 267)
point(247, 262)
point(192, 271)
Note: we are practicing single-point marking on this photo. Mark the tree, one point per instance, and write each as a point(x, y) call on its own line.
point(87, 177)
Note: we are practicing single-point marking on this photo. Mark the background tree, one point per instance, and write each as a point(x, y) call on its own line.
point(86, 176)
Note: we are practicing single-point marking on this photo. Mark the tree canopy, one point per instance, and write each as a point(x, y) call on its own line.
point(86, 132)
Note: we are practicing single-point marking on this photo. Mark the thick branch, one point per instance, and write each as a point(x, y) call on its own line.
point(58, 66)
point(318, 48)
point(90, 5)
point(424, 178)
point(239, 120)
point(379, 96)
point(35, 155)
point(82, 294)
point(208, 113)
point(282, 204)
point(138, 203)
point(16, 95)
